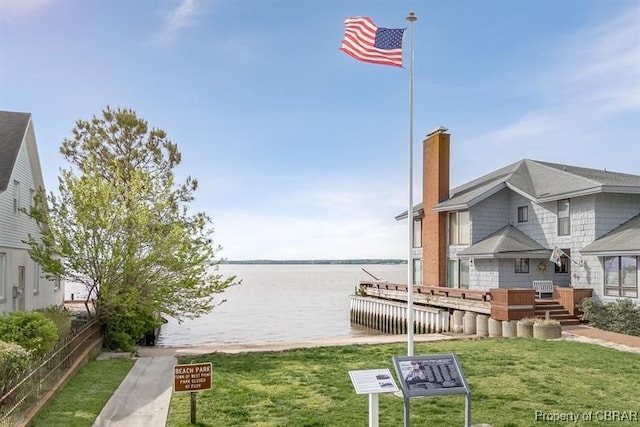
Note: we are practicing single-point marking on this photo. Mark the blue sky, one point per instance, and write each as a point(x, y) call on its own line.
point(301, 151)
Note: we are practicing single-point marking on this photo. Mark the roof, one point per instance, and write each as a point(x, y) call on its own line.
point(508, 242)
point(13, 127)
point(540, 182)
point(623, 240)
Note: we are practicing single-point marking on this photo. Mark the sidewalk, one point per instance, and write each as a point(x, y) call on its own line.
point(144, 396)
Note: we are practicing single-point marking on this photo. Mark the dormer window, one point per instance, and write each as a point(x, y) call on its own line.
point(459, 232)
point(523, 214)
point(16, 196)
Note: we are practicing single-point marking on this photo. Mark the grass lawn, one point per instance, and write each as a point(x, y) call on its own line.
point(83, 397)
point(510, 379)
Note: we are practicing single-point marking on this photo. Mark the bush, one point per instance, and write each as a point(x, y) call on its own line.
point(59, 314)
point(622, 316)
point(13, 360)
point(126, 327)
point(31, 329)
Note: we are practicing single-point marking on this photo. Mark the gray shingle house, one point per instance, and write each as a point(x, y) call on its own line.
point(499, 230)
point(22, 284)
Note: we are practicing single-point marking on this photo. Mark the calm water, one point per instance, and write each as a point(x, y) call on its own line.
point(281, 303)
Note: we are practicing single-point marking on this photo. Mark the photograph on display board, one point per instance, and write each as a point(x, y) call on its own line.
point(430, 374)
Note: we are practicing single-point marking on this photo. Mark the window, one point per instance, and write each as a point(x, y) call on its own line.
point(521, 265)
point(32, 196)
point(417, 272)
point(16, 196)
point(621, 276)
point(459, 232)
point(417, 233)
point(523, 214)
point(3, 274)
point(564, 224)
point(57, 283)
point(36, 278)
point(458, 274)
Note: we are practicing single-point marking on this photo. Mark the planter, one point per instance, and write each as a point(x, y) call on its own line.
point(458, 320)
point(546, 332)
point(509, 328)
point(495, 328)
point(524, 329)
point(482, 325)
point(469, 321)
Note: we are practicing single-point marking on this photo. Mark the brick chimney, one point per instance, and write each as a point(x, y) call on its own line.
point(435, 189)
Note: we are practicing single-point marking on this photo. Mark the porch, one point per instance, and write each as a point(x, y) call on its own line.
point(499, 304)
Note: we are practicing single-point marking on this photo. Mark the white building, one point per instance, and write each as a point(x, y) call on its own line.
point(22, 283)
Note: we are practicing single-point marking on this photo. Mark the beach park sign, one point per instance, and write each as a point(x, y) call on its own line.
point(192, 377)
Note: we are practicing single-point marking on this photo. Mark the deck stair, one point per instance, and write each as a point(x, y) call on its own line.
point(556, 311)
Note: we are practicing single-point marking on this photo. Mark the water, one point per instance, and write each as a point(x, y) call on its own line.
point(280, 303)
point(277, 302)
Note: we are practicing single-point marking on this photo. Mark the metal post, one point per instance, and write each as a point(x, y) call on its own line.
point(373, 410)
point(411, 18)
point(407, 412)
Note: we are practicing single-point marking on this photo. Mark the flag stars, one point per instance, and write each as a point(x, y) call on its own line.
point(389, 38)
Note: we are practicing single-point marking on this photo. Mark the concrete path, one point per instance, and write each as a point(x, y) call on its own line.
point(144, 396)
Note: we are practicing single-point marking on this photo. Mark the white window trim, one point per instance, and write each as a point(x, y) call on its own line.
point(3, 276)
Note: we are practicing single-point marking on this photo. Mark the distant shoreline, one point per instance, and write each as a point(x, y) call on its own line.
point(319, 261)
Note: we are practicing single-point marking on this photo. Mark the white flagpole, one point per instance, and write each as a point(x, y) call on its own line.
point(411, 18)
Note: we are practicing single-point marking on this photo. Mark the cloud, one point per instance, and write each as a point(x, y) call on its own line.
point(339, 219)
point(10, 10)
point(583, 93)
point(182, 16)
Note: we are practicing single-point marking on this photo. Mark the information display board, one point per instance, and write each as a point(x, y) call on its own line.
point(373, 381)
point(193, 377)
point(430, 375)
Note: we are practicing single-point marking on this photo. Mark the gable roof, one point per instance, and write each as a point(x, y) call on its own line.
point(623, 240)
point(507, 242)
point(540, 182)
point(13, 127)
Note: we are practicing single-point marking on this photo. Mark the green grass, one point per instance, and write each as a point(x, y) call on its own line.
point(510, 380)
point(83, 397)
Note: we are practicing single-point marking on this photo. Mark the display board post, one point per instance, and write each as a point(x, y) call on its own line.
point(373, 382)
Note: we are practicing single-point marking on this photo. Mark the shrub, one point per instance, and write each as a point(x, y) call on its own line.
point(126, 327)
point(59, 314)
point(13, 360)
point(31, 329)
point(622, 316)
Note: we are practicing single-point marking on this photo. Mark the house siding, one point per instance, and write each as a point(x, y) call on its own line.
point(15, 228)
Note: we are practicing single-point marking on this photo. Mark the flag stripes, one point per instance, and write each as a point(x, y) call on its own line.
point(364, 41)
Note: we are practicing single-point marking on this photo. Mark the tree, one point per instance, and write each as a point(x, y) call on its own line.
point(120, 225)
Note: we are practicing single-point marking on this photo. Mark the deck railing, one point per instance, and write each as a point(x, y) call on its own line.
point(484, 296)
point(22, 397)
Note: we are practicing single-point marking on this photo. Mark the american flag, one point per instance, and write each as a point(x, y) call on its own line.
point(364, 41)
point(555, 256)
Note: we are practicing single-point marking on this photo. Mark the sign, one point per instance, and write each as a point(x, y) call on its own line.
point(373, 381)
point(430, 375)
point(193, 377)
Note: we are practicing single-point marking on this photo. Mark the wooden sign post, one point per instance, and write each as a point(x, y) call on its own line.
point(192, 378)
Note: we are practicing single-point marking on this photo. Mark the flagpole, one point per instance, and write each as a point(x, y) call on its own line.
point(411, 18)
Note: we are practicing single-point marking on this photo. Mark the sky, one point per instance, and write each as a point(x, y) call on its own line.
point(301, 151)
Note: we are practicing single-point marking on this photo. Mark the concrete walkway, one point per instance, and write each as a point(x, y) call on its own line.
point(144, 396)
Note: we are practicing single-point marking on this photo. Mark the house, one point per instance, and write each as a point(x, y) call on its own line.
point(499, 230)
point(22, 283)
